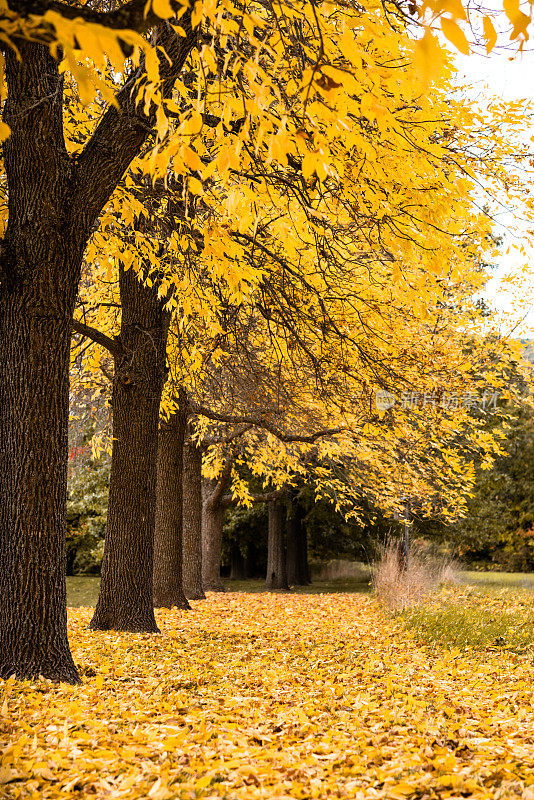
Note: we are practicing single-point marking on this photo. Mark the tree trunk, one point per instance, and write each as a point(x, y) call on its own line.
point(40, 264)
point(53, 203)
point(192, 523)
point(168, 591)
point(298, 573)
point(125, 601)
point(276, 548)
point(237, 564)
point(212, 534)
point(34, 397)
point(252, 567)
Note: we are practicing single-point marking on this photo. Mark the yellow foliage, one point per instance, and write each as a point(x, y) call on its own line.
point(271, 696)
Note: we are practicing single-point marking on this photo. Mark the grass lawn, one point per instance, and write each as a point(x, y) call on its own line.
point(83, 591)
point(522, 580)
point(480, 618)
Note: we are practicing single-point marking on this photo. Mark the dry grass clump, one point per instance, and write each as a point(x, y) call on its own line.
point(399, 585)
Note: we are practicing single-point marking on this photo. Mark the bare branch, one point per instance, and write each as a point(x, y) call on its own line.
point(97, 336)
point(229, 438)
point(259, 422)
point(263, 497)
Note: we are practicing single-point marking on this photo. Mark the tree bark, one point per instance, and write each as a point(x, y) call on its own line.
point(53, 203)
point(40, 263)
point(125, 601)
point(192, 522)
point(212, 533)
point(298, 572)
point(168, 591)
point(276, 547)
point(237, 564)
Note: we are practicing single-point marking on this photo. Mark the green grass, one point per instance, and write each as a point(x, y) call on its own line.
point(83, 591)
point(317, 587)
point(522, 580)
point(454, 627)
point(492, 610)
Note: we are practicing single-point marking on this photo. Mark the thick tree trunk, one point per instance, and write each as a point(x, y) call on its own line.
point(53, 202)
point(192, 523)
point(212, 535)
point(276, 547)
point(40, 264)
point(34, 380)
point(298, 573)
point(125, 601)
point(168, 591)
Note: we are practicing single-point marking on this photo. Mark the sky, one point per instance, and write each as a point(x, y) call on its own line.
point(508, 75)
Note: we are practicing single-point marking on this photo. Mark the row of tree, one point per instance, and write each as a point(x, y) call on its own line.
point(252, 219)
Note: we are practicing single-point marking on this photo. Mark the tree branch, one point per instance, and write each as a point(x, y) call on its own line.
point(263, 497)
point(220, 488)
point(122, 132)
point(229, 438)
point(97, 336)
point(131, 15)
point(265, 424)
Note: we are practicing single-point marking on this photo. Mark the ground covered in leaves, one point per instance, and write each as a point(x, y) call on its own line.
point(274, 696)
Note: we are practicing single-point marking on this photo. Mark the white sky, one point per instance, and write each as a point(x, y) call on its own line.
point(508, 75)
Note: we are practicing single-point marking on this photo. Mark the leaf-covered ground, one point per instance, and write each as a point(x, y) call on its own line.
point(273, 696)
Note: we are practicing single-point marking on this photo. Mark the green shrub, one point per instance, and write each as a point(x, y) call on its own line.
point(87, 504)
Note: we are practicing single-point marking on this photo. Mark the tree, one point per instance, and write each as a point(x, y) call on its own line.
point(63, 194)
point(192, 521)
point(214, 505)
point(40, 269)
point(168, 590)
point(276, 546)
point(298, 571)
point(332, 139)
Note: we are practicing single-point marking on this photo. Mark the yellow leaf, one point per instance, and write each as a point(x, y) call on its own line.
point(519, 20)
point(402, 789)
point(196, 14)
point(490, 35)
point(428, 57)
point(195, 186)
point(99, 682)
point(192, 159)
point(454, 34)
point(7, 775)
point(162, 8)
point(454, 7)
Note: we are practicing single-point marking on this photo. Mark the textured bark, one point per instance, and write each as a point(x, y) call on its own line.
point(53, 203)
point(168, 591)
point(125, 601)
point(212, 534)
point(298, 572)
point(40, 261)
point(276, 547)
point(192, 522)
